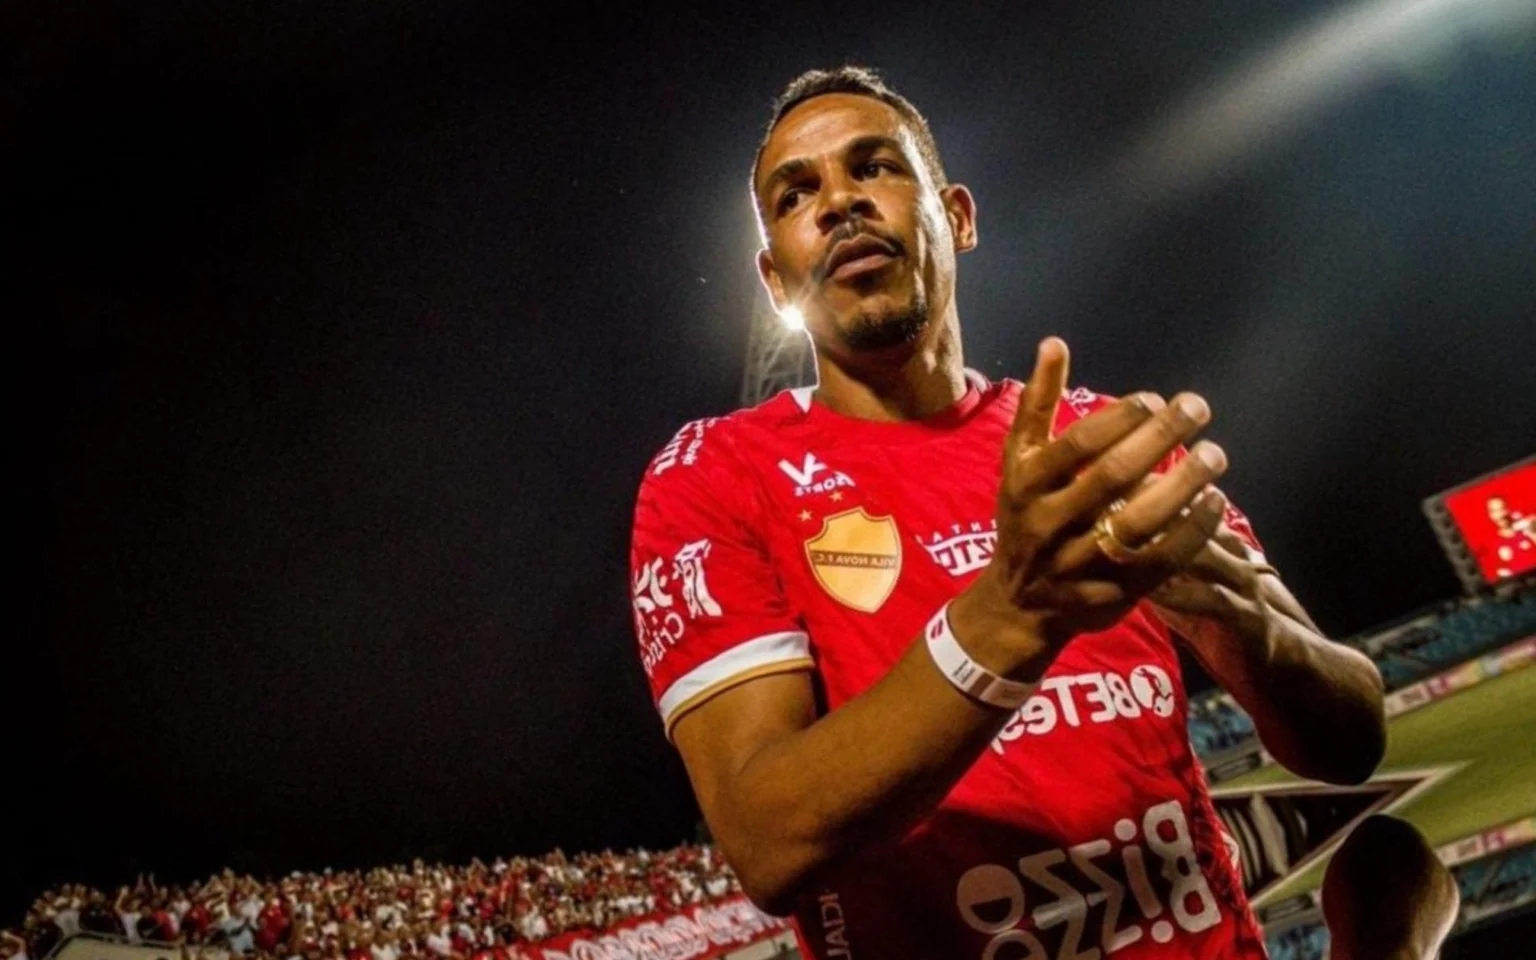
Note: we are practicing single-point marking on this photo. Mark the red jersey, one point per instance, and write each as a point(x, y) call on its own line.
point(788, 537)
point(271, 924)
point(273, 917)
point(197, 920)
point(165, 926)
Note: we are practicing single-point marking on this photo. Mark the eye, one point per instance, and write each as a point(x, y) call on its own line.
point(872, 168)
point(789, 199)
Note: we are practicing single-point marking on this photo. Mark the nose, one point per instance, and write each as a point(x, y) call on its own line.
point(843, 199)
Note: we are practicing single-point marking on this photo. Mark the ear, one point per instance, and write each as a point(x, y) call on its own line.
point(772, 282)
point(960, 208)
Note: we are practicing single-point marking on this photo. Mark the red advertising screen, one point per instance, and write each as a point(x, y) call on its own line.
point(1496, 517)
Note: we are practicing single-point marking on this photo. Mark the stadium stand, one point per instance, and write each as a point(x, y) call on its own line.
point(1306, 942)
point(1217, 723)
point(476, 912)
point(1501, 882)
point(1428, 645)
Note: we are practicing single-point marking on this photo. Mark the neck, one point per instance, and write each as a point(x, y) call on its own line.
point(913, 384)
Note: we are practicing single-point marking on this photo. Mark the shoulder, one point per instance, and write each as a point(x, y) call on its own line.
point(705, 448)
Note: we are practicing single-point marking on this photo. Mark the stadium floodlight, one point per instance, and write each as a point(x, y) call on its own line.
point(779, 354)
point(1318, 67)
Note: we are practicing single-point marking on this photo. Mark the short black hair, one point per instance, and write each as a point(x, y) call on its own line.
point(863, 82)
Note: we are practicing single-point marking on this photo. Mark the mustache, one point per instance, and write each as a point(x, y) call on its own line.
point(847, 230)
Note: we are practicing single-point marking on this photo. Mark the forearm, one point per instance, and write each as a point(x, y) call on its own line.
point(1317, 705)
point(866, 770)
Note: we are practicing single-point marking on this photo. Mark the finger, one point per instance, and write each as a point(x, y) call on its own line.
point(1128, 461)
point(1185, 537)
point(1156, 504)
point(1033, 420)
point(1217, 564)
point(1172, 550)
point(1234, 542)
point(1084, 549)
point(1049, 466)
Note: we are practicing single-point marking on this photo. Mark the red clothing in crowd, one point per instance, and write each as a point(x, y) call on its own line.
point(274, 916)
point(165, 926)
point(197, 920)
point(271, 924)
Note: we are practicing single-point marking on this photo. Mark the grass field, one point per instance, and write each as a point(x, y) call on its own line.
point(1490, 728)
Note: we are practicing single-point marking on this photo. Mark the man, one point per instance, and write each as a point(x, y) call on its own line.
point(67, 915)
point(233, 925)
point(910, 630)
point(272, 924)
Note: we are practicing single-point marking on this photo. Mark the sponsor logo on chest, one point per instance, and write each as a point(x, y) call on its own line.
point(963, 548)
point(1102, 696)
point(1097, 897)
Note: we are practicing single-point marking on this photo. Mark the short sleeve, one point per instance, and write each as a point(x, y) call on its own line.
point(709, 612)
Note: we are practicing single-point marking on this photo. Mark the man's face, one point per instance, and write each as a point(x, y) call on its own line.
point(860, 238)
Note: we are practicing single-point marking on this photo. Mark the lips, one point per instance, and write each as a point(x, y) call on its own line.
point(858, 255)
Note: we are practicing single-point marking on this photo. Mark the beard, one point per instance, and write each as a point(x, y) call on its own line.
point(881, 331)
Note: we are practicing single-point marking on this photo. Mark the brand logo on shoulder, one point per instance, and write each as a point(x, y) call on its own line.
point(805, 476)
point(964, 548)
point(683, 447)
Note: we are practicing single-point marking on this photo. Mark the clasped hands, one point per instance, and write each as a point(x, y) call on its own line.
point(1087, 527)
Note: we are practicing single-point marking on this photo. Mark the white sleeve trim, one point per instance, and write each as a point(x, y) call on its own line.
point(788, 648)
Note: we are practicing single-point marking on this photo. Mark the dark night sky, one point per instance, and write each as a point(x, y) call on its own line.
point(349, 329)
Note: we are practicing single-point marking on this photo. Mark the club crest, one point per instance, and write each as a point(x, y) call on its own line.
point(856, 558)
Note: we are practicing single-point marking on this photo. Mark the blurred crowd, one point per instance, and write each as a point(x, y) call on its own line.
point(434, 912)
point(1217, 723)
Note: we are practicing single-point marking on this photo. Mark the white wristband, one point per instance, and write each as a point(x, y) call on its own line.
point(970, 677)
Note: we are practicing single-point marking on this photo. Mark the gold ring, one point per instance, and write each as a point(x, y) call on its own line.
point(1109, 544)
